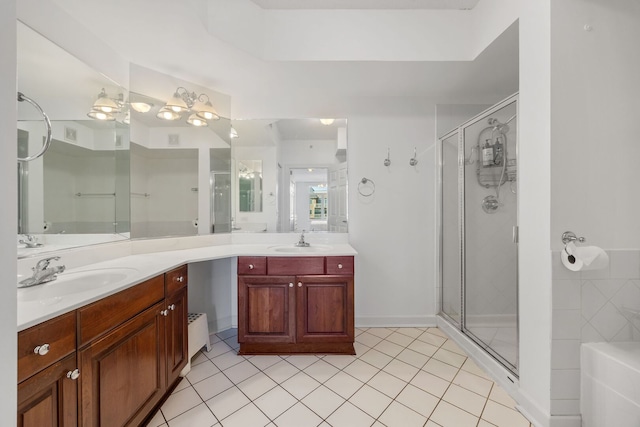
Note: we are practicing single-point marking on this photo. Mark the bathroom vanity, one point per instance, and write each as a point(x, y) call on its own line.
point(295, 305)
point(130, 348)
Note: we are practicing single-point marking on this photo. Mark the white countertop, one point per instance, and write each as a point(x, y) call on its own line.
point(143, 267)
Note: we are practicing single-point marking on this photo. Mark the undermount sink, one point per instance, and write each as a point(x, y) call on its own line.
point(73, 283)
point(292, 249)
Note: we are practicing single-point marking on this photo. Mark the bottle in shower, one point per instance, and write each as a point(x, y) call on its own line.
point(487, 154)
point(498, 153)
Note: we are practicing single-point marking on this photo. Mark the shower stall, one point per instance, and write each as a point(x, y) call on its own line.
point(479, 231)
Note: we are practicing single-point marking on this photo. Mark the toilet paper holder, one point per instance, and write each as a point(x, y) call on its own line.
point(570, 236)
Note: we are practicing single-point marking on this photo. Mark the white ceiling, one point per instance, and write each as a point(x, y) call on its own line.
point(320, 88)
point(366, 4)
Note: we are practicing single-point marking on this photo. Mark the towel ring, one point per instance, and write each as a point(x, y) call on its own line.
point(363, 182)
point(47, 123)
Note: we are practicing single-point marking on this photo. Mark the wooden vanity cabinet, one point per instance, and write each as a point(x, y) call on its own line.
point(176, 322)
point(129, 349)
point(47, 385)
point(293, 305)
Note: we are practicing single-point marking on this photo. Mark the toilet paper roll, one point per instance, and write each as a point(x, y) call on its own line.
point(580, 258)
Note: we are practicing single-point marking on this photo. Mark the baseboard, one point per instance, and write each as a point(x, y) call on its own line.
point(426, 321)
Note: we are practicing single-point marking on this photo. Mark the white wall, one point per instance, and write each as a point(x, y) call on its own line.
point(394, 229)
point(8, 224)
point(595, 154)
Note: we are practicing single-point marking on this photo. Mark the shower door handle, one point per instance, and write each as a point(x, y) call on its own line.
point(514, 235)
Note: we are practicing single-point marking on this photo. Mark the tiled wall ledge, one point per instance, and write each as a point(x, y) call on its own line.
point(590, 306)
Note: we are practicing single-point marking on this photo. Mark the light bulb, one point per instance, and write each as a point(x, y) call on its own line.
point(167, 115)
point(101, 116)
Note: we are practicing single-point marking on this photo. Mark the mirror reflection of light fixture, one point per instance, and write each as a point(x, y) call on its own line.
point(141, 107)
point(233, 133)
point(194, 120)
point(184, 101)
point(327, 122)
point(100, 115)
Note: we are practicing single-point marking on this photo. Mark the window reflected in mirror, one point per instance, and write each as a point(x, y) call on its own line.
point(250, 185)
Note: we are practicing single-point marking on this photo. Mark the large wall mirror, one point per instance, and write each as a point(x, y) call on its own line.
point(77, 193)
point(172, 162)
point(289, 175)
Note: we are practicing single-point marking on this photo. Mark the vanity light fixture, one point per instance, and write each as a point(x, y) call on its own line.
point(184, 101)
point(105, 108)
point(327, 122)
point(233, 133)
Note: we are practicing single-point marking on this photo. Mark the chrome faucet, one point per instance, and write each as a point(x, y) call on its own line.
point(301, 243)
point(42, 273)
point(30, 241)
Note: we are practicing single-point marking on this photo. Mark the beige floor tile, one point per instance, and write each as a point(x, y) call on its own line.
point(370, 401)
point(262, 362)
point(401, 370)
point(302, 361)
point(452, 346)
point(430, 383)
point(474, 383)
point(470, 366)
point(180, 402)
point(227, 402)
point(448, 415)
point(349, 416)
point(502, 416)
point(321, 371)
point(298, 416)
point(368, 339)
point(361, 370)
point(201, 371)
point(275, 402)
point(437, 331)
point(449, 357)
point(423, 347)
point(389, 348)
point(440, 369)
point(498, 394)
point(432, 339)
point(241, 371)
point(212, 386)
point(380, 332)
point(343, 384)
point(398, 415)
point(400, 339)
point(339, 361)
point(300, 385)
point(387, 384)
point(376, 358)
point(417, 399)
point(410, 332)
point(413, 358)
point(256, 385)
point(323, 401)
point(281, 371)
point(227, 360)
point(249, 415)
point(465, 399)
point(198, 416)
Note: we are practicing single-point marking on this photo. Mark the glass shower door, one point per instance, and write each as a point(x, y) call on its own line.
point(490, 299)
point(450, 297)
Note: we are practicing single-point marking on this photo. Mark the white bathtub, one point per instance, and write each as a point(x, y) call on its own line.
point(610, 384)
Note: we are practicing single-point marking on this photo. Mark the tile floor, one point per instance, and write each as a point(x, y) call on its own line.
point(400, 377)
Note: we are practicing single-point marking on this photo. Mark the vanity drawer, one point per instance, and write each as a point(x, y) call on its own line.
point(175, 279)
point(252, 265)
point(295, 265)
point(60, 336)
point(339, 265)
point(100, 317)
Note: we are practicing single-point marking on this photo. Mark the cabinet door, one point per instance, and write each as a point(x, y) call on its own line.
point(123, 373)
point(49, 398)
point(325, 309)
point(177, 333)
point(266, 309)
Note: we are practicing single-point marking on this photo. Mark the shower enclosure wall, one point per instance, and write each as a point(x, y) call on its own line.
point(478, 251)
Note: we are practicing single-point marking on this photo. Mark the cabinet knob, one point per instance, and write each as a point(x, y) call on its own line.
point(251, 267)
point(180, 279)
point(172, 307)
point(291, 285)
point(164, 312)
point(339, 265)
point(41, 350)
point(299, 284)
point(73, 375)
